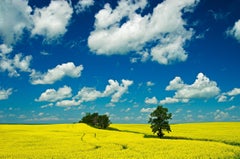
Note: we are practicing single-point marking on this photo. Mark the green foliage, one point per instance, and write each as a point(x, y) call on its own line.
point(159, 121)
point(96, 120)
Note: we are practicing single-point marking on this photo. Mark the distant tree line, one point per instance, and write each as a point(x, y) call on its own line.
point(96, 120)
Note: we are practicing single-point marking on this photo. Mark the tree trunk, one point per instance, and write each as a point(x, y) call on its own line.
point(160, 133)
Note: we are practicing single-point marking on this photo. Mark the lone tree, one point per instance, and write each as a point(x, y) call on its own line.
point(159, 121)
point(96, 120)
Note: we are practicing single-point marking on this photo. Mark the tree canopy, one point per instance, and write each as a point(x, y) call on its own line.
point(159, 120)
point(96, 120)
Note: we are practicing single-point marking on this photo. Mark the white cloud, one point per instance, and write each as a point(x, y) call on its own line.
point(68, 103)
point(201, 117)
point(126, 110)
point(12, 66)
point(144, 56)
point(152, 100)
point(52, 95)
point(111, 88)
point(228, 96)
point(14, 18)
point(188, 117)
point(51, 21)
point(170, 51)
point(178, 110)
point(4, 94)
point(203, 87)
point(231, 108)
point(150, 83)
point(170, 100)
point(222, 98)
point(110, 105)
point(134, 60)
point(47, 105)
point(109, 17)
point(219, 15)
point(87, 94)
point(165, 26)
point(234, 92)
point(116, 90)
point(220, 115)
point(82, 5)
point(17, 16)
point(175, 84)
point(235, 31)
point(122, 89)
point(56, 74)
point(147, 110)
point(44, 53)
point(5, 49)
point(22, 63)
point(40, 114)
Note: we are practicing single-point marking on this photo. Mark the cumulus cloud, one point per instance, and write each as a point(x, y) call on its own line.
point(56, 74)
point(114, 89)
point(68, 103)
point(14, 18)
point(82, 5)
point(235, 31)
point(152, 100)
point(170, 100)
point(170, 51)
point(202, 87)
point(87, 94)
point(229, 95)
point(51, 21)
point(234, 92)
point(147, 110)
point(220, 115)
point(13, 65)
point(4, 94)
point(52, 95)
point(165, 27)
point(175, 84)
point(5, 49)
point(222, 98)
point(22, 63)
point(17, 16)
point(144, 56)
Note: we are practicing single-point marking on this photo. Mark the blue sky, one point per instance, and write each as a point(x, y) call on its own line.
point(60, 59)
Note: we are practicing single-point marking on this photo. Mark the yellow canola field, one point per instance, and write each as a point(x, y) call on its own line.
point(79, 141)
point(226, 132)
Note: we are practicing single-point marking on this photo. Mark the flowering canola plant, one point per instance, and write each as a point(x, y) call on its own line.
point(80, 141)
